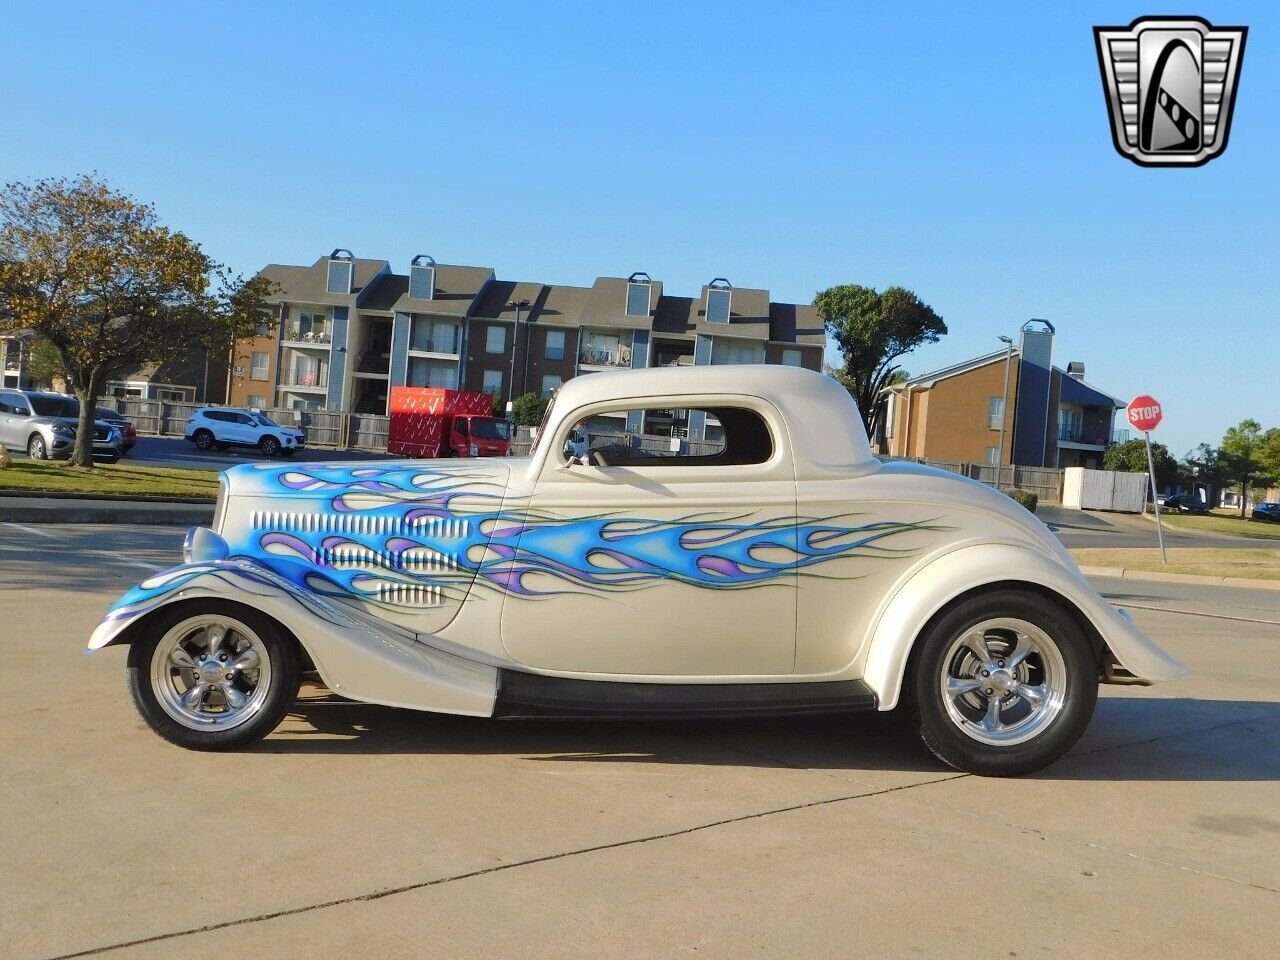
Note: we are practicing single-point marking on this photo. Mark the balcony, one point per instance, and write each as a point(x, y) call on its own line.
point(1090, 436)
point(306, 381)
point(297, 337)
point(443, 345)
point(619, 357)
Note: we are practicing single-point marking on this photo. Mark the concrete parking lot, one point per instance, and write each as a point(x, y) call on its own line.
point(360, 831)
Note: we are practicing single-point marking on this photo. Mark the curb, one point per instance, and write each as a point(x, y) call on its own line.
point(1124, 573)
point(108, 497)
point(132, 512)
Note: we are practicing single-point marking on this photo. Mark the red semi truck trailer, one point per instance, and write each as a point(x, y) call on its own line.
point(434, 422)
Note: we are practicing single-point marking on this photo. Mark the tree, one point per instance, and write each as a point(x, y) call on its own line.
point(45, 364)
point(873, 331)
point(527, 410)
point(1131, 457)
point(1243, 458)
point(93, 272)
point(499, 406)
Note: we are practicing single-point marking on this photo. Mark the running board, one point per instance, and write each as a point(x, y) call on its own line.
point(534, 695)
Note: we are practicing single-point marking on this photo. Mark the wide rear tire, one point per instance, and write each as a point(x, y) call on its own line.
point(1003, 683)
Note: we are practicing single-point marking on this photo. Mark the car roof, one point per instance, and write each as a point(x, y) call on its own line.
point(822, 420)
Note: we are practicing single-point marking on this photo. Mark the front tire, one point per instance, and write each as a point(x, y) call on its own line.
point(203, 439)
point(213, 675)
point(36, 448)
point(1004, 683)
point(269, 446)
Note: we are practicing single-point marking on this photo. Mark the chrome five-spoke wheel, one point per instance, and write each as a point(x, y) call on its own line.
point(211, 671)
point(211, 674)
point(1003, 681)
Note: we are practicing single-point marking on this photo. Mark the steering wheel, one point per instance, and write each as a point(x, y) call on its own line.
point(597, 459)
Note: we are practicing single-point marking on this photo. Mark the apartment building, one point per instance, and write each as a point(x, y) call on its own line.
point(1056, 419)
point(15, 361)
point(346, 330)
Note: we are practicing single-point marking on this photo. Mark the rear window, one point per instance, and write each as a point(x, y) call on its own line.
point(675, 437)
point(55, 406)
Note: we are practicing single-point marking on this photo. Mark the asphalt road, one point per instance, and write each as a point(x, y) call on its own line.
point(1081, 528)
point(363, 831)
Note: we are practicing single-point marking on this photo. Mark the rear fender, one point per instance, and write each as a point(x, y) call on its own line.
point(355, 659)
point(969, 568)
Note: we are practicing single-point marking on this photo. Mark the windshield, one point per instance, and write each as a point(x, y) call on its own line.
point(540, 438)
point(54, 406)
point(490, 429)
point(263, 420)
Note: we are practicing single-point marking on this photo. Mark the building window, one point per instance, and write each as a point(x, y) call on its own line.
point(257, 402)
point(728, 352)
point(718, 305)
point(495, 340)
point(422, 282)
point(554, 349)
point(339, 277)
point(993, 456)
point(258, 368)
point(492, 382)
point(263, 328)
point(432, 373)
point(791, 358)
point(549, 384)
point(995, 413)
point(638, 292)
point(433, 336)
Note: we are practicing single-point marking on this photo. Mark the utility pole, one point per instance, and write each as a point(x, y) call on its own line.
point(1004, 410)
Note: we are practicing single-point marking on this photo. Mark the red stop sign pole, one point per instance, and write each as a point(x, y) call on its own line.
point(1145, 414)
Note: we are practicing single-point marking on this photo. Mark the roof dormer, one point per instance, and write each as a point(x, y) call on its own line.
point(341, 271)
point(422, 277)
point(719, 300)
point(639, 295)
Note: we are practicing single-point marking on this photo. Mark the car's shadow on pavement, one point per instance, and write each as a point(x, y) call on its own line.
point(1130, 738)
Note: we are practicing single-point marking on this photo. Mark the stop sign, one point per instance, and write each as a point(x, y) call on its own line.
point(1144, 413)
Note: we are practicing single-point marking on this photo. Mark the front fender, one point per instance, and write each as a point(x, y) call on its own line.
point(358, 660)
point(969, 568)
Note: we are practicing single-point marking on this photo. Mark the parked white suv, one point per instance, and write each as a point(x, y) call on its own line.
point(224, 427)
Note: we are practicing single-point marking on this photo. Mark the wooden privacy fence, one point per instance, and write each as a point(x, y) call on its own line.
point(322, 428)
point(1044, 482)
point(366, 431)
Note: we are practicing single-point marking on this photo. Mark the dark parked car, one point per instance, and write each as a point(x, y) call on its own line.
point(118, 420)
point(1267, 511)
point(1185, 503)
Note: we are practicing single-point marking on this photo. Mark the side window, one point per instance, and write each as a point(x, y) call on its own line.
point(6, 403)
point(667, 437)
point(463, 426)
point(19, 405)
point(244, 419)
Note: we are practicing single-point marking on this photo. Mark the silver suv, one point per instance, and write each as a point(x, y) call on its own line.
point(44, 425)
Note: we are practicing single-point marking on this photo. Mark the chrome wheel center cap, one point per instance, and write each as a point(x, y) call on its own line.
point(211, 671)
point(1001, 680)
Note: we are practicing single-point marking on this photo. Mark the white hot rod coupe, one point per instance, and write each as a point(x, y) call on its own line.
point(776, 567)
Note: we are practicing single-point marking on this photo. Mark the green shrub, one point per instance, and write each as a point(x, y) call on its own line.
point(1024, 497)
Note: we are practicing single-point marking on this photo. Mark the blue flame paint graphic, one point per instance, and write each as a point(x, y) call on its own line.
point(374, 528)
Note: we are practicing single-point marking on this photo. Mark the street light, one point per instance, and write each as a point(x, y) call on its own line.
point(515, 338)
point(1004, 410)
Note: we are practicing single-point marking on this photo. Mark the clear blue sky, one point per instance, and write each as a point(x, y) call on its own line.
point(963, 153)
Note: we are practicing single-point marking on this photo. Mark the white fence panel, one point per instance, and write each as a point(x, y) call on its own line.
point(1086, 489)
